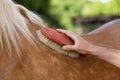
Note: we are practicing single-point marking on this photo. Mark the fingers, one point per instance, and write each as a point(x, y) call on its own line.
point(65, 31)
point(73, 36)
point(68, 47)
point(68, 33)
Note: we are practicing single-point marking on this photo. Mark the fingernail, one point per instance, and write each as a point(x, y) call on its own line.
point(64, 48)
point(58, 29)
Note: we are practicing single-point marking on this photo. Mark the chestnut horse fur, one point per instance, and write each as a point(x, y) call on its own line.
point(43, 63)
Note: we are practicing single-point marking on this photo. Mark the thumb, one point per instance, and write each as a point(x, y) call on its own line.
point(68, 47)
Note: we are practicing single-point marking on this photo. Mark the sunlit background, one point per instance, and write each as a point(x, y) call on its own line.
point(77, 15)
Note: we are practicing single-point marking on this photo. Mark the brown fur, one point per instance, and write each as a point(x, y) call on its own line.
point(47, 64)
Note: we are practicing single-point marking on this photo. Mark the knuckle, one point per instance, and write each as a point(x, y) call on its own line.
point(77, 35)
point(76, 46)
point(69, 31)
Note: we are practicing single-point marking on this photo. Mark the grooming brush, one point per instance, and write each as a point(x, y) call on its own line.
point(55, 40)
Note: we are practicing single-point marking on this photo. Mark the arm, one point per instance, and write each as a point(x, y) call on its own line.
point(84, 47)
point(108, 54)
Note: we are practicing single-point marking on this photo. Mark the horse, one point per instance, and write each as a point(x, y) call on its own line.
point(24, 57)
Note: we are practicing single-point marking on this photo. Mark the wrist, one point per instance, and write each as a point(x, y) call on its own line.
point(92, 49)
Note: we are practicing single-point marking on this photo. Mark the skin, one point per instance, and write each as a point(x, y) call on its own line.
point(82, 46)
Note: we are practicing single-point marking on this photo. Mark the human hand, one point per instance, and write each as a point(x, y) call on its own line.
point(81, 45)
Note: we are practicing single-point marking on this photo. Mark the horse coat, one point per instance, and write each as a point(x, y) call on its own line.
point(42, 63)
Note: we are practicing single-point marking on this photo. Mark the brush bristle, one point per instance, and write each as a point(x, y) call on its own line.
point(55, 46)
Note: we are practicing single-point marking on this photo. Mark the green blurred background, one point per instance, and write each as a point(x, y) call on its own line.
point(76, 15)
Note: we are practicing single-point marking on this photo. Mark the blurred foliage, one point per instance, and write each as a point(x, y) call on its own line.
point(65, 10)
point(99, 7)
point(59, 13)
point(41, 6)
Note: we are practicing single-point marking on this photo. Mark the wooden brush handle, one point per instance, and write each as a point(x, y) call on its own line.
point(56, 36)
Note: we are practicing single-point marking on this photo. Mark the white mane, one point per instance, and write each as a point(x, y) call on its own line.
point(11, 20)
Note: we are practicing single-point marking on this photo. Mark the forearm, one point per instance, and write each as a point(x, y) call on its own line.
point(108, 54)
